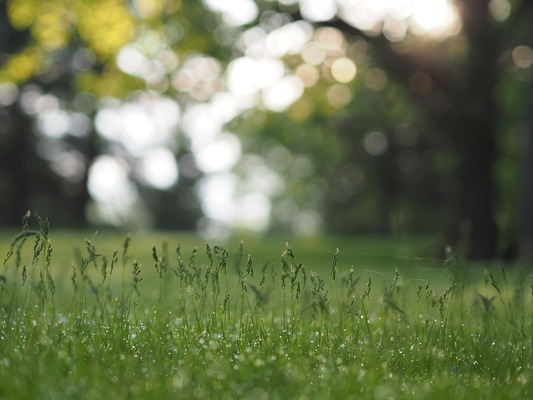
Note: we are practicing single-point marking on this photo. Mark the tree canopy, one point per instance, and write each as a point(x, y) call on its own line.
point(349, 116)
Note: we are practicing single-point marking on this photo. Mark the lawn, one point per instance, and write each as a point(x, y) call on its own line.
point(165, 315)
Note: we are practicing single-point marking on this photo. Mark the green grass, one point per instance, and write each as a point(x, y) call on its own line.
point(119, 317)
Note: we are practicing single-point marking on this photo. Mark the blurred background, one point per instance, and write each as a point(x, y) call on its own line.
point(231, 117)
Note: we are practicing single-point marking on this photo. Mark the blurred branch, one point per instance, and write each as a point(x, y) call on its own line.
point(402, 66)
point(523, 7)
point(522, 13)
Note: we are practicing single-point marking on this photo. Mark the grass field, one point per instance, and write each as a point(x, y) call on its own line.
point(161, 316)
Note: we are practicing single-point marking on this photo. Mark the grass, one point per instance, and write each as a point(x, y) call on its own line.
point(124, 318)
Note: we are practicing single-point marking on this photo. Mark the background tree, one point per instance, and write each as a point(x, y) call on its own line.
point(57, 61)
point(288, 115)
point(454, 83)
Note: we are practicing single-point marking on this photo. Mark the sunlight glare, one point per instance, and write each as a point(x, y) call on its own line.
point(235, 12)
point(424, 17)
point(108, 181)
point(138, 128)
point(216, 193)
point(254, 212)
point(433, 17)
point(247, 75)
point(225, 106)
point(288, 39)
point(200, 125)
point(220, 154)
point(54, 123)
point(159, 168)
point(283, 93)
point(321, 10)
point(131, 60)
point(139, 124)
point(223, 204)
point(360, 17)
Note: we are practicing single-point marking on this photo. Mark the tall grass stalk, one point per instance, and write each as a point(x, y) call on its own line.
point(192, 328)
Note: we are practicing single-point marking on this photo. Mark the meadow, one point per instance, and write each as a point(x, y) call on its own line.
point(160, 316)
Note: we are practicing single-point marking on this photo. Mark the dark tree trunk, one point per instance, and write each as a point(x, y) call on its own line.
point(525, 241)
point(526, 221)
point(461, 105)
point(476, 217)
point(475, 133)
point(15, 185)
point(27, 181)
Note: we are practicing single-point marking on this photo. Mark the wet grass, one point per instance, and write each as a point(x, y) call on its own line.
point(139, 316)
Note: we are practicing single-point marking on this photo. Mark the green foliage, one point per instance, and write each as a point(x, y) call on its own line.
point(72, 49)
point(196, 329)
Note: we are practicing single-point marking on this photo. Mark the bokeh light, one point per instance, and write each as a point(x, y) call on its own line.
point(376, 143)
point(54, 123)
point(434, 17)
point(339, 95)
point(375, 79)
point(287, 39)
point(394, 17)
point(113, 192)
point(395, 29)
point(322, 10)
point(247, 76)
point(274, 63)
point(343, 70)
point(330, 38)
point(523, 56)
point(199, 76)
point(234, 12)
point(308, 74)
point(9, 93)
point(279, 96)
point(313, 53)
point(158, 168)
point(107, 176)
point(149, 121)
point(500, 9)
point(219, 155)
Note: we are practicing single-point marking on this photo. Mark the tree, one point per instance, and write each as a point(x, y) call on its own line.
point(526, 226)
point(453, 82)
point(57, 59)
point(117, 54)
point(26, 179)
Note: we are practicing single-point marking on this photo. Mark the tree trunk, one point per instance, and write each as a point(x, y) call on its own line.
point(15, 185)
point(476, 217)
point(526, 220)
point(461, 105)
point(476, 139)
